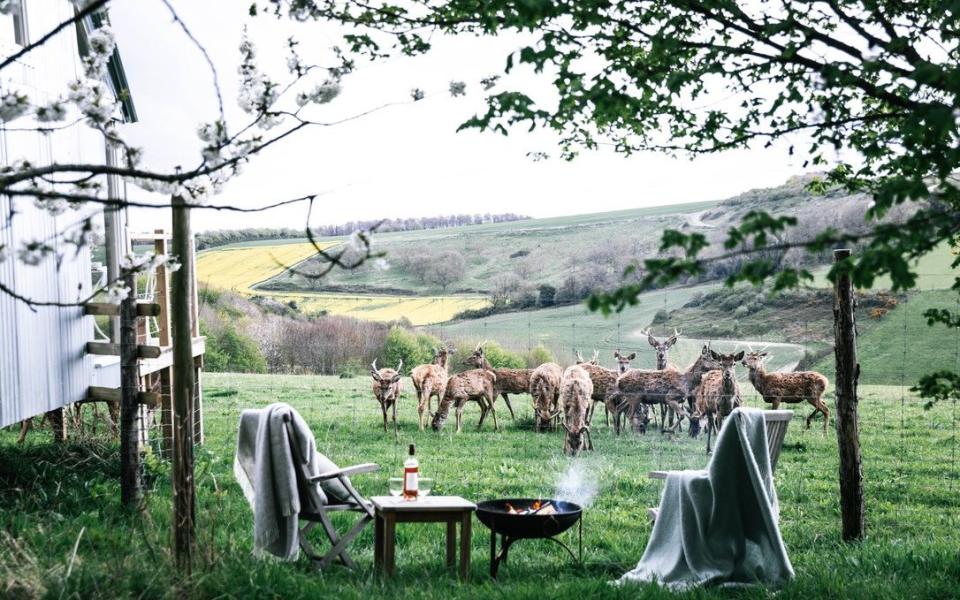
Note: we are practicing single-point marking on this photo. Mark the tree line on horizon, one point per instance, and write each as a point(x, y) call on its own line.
point(222, 237)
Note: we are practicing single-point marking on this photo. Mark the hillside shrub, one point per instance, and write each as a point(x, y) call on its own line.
point(539, 355)
point(660, 317)
point(501, 358)
point(547, 295)
point(414, 348)
point(231, 351)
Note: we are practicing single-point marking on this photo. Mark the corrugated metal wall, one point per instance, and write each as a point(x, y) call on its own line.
point(42, 352)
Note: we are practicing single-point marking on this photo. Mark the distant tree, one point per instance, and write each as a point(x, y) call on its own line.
point(502, 286)
point(446, 268)
point(548, 295)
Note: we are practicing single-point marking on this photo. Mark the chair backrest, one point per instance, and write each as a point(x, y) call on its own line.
point(777, 422)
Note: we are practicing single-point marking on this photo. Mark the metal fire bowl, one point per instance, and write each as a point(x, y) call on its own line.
point(493, 514)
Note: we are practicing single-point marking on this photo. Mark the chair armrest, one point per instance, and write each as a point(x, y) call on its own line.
point(346, 472)
point(657, 474)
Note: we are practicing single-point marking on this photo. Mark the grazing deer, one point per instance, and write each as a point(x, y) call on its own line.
point(476, 385)
point(386, 388)
point(509, 381)
point(431, 380)
point(575, 392)
point(718, 393)
point(603, 379)
point(788, 387)
point(666, 388)
point(545, 390)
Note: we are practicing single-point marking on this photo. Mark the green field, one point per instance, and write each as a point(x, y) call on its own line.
point(57, 500)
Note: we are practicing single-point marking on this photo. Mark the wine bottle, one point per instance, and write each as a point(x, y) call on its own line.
point(411, 476)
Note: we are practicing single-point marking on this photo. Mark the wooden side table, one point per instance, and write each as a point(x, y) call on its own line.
point(451, 510)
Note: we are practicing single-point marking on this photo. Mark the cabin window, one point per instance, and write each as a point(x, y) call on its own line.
point(20, 26)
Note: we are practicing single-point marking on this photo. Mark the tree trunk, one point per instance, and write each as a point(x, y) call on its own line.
point(130, 491)
point(848, 433)
point(181, 313)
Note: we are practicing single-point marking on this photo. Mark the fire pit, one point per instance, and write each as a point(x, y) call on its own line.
point(528, 518)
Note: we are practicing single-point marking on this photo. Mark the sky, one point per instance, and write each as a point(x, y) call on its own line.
point(405, 160)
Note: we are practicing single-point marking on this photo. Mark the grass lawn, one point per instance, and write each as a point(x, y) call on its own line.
point(53, 500)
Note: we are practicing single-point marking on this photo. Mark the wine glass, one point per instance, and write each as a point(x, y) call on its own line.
point(426, 483)
point(395, 486)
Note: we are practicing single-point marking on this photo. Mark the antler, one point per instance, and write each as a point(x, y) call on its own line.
point(579, 356)
point(596, 356)
point(374, 371)
point(400, 366)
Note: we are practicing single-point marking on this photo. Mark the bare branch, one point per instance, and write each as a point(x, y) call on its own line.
point(79, 16)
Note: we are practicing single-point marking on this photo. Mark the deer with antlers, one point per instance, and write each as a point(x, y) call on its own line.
point(638, 389)
point(791, 388)
point(509, 381)
point(545, 391)
point(386, 388)
point(576, 390)
point(431, 380)
point(603, 379)
point(718, 393)
point(662, 348)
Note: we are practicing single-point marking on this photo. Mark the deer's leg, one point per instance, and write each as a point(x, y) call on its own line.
point(460, 416)
point(24, 428)
point(506, 399)
point(396, 434)
point(710, 425)
point(493, 411)
point(383, 409)
point(776, 403)
point(826, 414)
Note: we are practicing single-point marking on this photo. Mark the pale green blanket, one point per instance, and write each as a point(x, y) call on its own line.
point(719, 526)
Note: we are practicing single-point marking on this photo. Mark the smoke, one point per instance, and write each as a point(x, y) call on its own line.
point(578, 484)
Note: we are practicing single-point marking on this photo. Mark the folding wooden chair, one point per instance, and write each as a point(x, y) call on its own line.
point(776, 422)
point(308, 483)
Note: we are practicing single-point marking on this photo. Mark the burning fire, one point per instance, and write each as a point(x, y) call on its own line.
point(538, 507)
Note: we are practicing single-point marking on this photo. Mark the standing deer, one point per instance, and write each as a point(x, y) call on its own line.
point(638, 388)
point(545, 390)
point(476, 385)
point(575, 392)
point(788, 387)
point(509, 381)
point(662, 348)
point(718, 393)
point(431, 380)
point(603, 379)
point(386, 388)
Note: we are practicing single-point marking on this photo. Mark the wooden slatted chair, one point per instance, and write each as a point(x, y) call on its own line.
point(776, 423)
point(308, 483)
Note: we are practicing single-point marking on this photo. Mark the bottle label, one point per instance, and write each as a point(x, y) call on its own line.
point(411, 483)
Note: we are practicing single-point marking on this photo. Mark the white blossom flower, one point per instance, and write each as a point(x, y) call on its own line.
point(54, 206)
point(100, 47)
point(458, 88)
point(417, 94)
point(33, 253)
point(117, 293)
point(55, 111)
point(13, 105)
point(321, 94)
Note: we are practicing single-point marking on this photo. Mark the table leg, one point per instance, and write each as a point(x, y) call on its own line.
point(378, 544)
point(465, 523)
point(389, 548)
point(451, 543)
point(493, 553)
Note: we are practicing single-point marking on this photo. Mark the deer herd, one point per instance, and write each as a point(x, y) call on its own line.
point(703, 394)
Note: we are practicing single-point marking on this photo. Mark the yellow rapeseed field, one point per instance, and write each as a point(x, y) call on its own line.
point(238, 269)
point(419, 310)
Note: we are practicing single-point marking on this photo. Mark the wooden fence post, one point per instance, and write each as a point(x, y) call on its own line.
point(181, 313)
point(848, 430)
point(130, 490)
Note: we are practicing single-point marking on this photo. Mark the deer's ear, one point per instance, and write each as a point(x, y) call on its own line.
point(616, 354)
point(714, 355)
point(738, 355)
point(651, 340)
point(395, 378)
point(632, 356)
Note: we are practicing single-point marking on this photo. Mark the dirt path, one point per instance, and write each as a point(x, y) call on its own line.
point(696, 220)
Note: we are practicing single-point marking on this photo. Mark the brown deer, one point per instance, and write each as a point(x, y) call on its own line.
point(718, 393)
point(575, 392)
point(545, 390)
point(386, 389)
point(476, 385)
point(603, 378)
point(509, 381)
point(788, 387)
point(638, 388)
point(431, 380)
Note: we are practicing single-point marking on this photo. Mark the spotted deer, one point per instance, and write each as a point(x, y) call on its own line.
point(386, 389)
point(603, 378)
point(788, 387)
point(476, 385)
point(575, 392)
point(431, 380)
point(509, 381)
point(718, 393)
point(638, 389)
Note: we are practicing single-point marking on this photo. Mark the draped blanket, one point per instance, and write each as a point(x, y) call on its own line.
point(719, 526)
